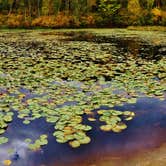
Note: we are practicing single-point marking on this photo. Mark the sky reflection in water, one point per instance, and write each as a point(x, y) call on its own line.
point(145, 132)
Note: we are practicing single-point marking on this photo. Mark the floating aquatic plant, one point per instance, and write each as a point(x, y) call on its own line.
point(3, 140)
point(38, 143)
point(114, 119)
point(62, 81)
point(7, 162)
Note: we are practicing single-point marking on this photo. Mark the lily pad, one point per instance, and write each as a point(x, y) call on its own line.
point(3, 140)
point(74, 144)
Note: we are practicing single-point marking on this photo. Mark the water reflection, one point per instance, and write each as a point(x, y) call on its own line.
point(126, 45)
point(145, 132)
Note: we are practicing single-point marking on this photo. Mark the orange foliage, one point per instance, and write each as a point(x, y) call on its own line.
point(2, 20)
point(64, 20)
point(59, 21)
point(14, 21)
point(44, 21)
point(156, 12)
point(27, 23)
point(88, 20)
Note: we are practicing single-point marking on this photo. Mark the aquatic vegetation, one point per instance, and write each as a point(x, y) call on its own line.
point(63, 81)
point(3, 140)
point(7, 162)
point(113, 119)
point(38, 143)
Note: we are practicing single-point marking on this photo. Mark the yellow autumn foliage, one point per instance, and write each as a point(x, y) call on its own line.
point(134, 7)
point(156, 12)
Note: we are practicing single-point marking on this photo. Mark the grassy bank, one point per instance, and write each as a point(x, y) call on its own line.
point(147, 28)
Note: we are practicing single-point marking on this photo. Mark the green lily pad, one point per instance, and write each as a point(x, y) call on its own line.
point(106, 127)
point(85, 140)
point(26, 122)
point(28, 140)
point(74, 144)
point(3, 140)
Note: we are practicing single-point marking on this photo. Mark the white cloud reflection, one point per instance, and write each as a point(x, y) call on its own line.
point(18, 146)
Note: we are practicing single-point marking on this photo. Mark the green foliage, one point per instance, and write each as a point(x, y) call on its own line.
point(150, 4)
point(108, 8)
point(45, 7)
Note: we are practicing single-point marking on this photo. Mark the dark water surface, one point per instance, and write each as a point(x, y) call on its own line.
point(130, 44)
point(146, 131)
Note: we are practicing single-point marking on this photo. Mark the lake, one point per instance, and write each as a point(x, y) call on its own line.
point(88, 97)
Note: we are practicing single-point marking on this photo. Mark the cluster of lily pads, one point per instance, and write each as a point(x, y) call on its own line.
point(62, 81)
point(38, 143)
point(113, 121)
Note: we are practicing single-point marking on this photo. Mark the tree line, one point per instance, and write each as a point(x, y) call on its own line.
point(81, 13)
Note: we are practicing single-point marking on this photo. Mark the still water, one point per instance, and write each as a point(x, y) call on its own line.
point(145, 132)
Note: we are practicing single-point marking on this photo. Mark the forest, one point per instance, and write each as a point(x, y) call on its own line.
point(81, 13)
